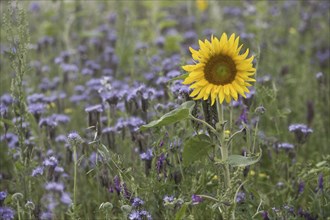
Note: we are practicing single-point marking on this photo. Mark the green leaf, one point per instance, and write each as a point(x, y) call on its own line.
point(195, 148)
point(6, 121)
point(183, 76)
point(181, 213)
point(241, 161)
point(173, 116)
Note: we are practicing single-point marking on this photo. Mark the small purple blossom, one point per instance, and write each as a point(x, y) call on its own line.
point(74, 138)
point(6, 213)
point(54, 186)
point(137, 202)
point(196, 199)
point(264, 215)
point(147, 155)
point(50, 162)
point(37, 171)
point(3, 195)
point(168, 199)
point(135, 215)
point(320, 182)
point(285, 146)
point(116, 181)
point(240, 198)
point(144, 213)
point(301, 132)
point(37, 108)
point(65, 198)
point(160, 162)
point(301, 187)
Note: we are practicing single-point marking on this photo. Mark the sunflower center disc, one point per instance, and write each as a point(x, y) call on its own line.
point(220, 70)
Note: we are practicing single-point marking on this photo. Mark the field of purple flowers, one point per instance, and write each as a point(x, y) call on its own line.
point(97, 124)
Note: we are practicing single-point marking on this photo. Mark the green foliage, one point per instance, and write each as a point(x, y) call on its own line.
point(196, 148)
point(172, 117)
point(241, 161)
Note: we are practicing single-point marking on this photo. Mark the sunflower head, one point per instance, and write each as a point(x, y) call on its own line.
point(220, 70)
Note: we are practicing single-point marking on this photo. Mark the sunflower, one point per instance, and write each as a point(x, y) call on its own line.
point(220, 71)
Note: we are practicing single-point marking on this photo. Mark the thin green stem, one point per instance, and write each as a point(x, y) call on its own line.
point(180, 165)
point(75, 179)
point(204, 123)
point(208, 197)
point(237, 132)
point(18, 210)
point(248, 139)
point(255, 136)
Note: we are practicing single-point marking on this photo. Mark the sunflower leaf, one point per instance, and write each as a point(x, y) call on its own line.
point(183, 76)
point(241, 161)
point(173, 116)
point(196, 148)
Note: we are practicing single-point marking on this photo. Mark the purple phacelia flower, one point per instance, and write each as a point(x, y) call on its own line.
point(144, 213)
point(137, 202)
point(74, 138)
point(6, 213)
point(35, 98)
point(37, 171)
point(301, 187)
point(160, 162)
point(60, 118)
point(196, 199)
point(6, 99)
point(320, 182)
point(3, 195)
point(47, 122)
point(54, 186)
point(168, 199)
point(50, 162)
point(240, 198)
point(116, 181)
point(147, 155)
point(285, 146)
point(60, 138)
point(65, 198)
point(135, 215)
point(243, 116)
point(264, 215)
point(37, 108)
point(301, 132)
point(289, 209)
point(46, 215)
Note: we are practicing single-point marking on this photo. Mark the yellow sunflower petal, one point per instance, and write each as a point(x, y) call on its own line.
point(195, 91)
point(201, 94)
point(195, 67)
point(223, 41)
point(227, 97)
point(221, 95)
point(233, 92)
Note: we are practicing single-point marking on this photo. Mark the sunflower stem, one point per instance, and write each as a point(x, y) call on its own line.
point(223, 143)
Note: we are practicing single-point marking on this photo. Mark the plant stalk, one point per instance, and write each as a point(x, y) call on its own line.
point(223, 143)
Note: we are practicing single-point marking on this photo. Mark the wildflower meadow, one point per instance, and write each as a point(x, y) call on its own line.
point(164, 110)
